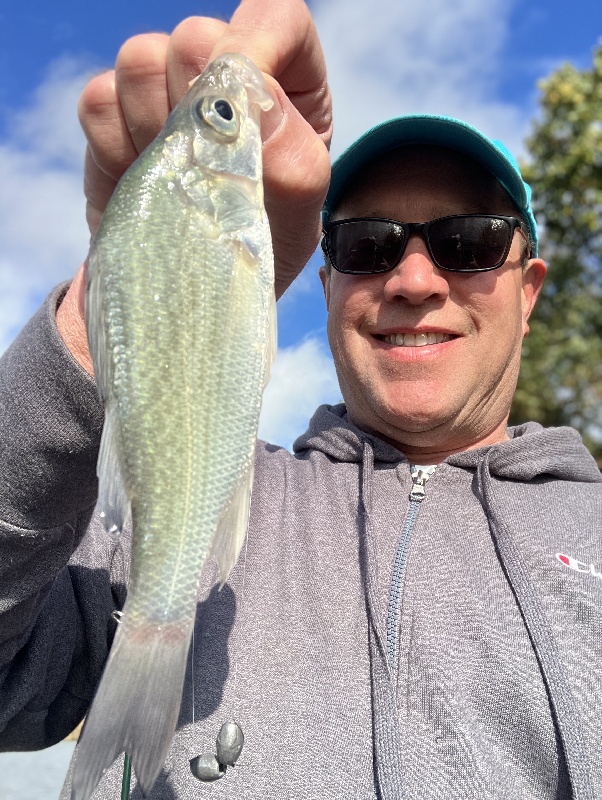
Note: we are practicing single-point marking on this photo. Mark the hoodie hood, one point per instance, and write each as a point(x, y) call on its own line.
point(331, 432)
point(536, 452)
point(532, 451)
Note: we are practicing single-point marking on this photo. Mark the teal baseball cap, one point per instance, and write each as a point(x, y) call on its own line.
point(431, 129)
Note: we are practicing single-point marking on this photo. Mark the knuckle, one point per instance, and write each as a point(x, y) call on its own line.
point(298, 173)
point(142, 54)
point(97, 95)
point(193, 40)
point(194, 25)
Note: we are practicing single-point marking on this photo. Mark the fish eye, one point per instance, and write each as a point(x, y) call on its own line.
point(219, 114)
point(224, 109)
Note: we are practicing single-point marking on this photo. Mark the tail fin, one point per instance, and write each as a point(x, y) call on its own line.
point(137, 704)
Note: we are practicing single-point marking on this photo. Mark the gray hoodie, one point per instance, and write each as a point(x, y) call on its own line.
point(367, 643)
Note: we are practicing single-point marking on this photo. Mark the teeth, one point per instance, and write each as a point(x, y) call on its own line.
point(416, 339)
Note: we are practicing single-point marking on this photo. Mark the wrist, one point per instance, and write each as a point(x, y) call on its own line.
point(71, 323)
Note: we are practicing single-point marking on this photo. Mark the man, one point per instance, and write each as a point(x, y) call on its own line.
point(418, 610)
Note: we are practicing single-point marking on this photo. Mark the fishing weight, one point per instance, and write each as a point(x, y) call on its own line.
point(228, 745)
point(207, 768)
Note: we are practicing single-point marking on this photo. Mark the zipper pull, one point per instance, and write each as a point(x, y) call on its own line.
point(420, 476)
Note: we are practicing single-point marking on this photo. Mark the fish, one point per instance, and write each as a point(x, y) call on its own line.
point(181, 325)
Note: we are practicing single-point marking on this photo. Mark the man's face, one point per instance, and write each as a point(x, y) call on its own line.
point(450, 395)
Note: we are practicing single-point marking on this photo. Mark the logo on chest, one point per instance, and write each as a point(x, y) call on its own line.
point(579, 566)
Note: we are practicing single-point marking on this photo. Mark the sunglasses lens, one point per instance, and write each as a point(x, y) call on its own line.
point(469, 243)
point(365, 246)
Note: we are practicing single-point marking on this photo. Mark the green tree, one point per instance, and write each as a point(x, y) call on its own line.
point(561, 377)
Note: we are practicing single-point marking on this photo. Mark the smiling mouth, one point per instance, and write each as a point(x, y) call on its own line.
point(416, 339)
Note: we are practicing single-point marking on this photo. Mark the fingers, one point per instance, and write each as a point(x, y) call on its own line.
point(98, 188)
point(141, 84)
point(122, 111)
point(153, 72)
point(104, 125)
point(281, 39)
point(296, 174)
point(110, 147)
point(188, 53)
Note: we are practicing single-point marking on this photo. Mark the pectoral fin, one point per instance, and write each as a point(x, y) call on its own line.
point(113, 501)
point(272, 346)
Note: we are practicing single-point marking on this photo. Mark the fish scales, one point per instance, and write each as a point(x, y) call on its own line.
point(180, 318)
point(163, 391)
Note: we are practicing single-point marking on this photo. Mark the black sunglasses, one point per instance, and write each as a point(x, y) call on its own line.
point(459, 243)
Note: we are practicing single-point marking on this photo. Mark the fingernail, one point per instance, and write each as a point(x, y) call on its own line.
point(271, 119)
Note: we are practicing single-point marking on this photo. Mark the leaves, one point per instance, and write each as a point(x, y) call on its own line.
point(561, 375)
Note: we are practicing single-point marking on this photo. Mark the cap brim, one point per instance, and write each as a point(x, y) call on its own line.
point(427, 129)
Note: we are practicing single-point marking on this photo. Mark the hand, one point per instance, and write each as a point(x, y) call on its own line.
point(123, 110)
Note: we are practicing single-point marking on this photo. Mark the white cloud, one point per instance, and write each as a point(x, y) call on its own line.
point(302, 378)
point(43, 233)
point(47, 128)
point(388, 57)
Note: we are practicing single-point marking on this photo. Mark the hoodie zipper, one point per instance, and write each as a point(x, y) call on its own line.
point(420, 476)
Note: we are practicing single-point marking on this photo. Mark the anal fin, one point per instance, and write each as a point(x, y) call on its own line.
point(232, 526)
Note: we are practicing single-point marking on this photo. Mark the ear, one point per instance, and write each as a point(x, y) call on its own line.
point(533, 276)
point(325, 278)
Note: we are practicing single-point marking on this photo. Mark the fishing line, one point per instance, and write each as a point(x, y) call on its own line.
point(210, 766)
point(242, 603)
point(192, 666)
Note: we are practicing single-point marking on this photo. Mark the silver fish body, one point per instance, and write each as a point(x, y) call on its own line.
point(180, 314)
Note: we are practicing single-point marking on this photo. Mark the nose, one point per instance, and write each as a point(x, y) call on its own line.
point(416, 279)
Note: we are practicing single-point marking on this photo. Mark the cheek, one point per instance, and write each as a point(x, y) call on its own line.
point(348, 303)
point(341, 326)
point(493, 300)
point(349, 308)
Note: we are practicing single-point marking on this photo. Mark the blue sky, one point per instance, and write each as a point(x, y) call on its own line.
point(471, 59)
